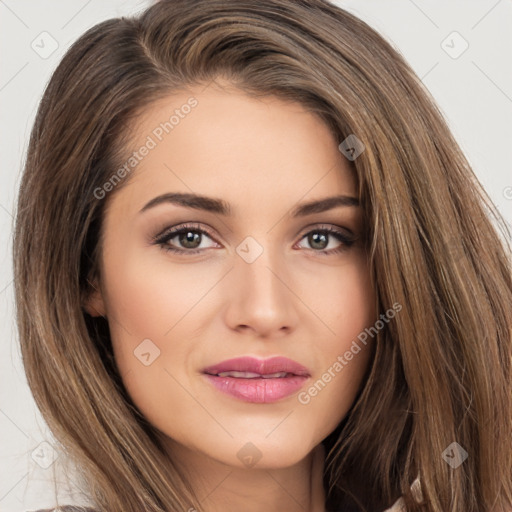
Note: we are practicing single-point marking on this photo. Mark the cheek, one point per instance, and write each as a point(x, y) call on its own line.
point(147, 300)
point(147, 306)
point(347, 305)
point(153, 309)
point(344, 302)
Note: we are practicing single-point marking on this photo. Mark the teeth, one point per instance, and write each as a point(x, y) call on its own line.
point(242, 375)
point(250, 375)
point(275, 375)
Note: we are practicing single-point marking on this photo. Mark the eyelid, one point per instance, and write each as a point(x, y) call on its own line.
point(174, 230)
point(322, 226)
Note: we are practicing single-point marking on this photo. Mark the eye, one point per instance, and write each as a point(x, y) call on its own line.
point(183, 239)
point(323, 239)
point(189, 238)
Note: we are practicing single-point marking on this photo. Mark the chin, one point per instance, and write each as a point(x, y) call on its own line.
point(266, 453)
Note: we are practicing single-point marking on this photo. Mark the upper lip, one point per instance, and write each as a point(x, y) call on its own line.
point(261, 366)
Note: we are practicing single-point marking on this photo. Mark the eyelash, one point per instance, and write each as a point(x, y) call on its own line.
point(163, 239)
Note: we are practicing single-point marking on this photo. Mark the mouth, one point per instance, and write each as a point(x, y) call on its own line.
point(251, 375)
point(258, 381)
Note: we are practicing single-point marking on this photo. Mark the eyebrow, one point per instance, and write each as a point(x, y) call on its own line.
point(221, 207)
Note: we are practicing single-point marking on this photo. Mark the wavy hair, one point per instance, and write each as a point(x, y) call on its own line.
point(441, 371)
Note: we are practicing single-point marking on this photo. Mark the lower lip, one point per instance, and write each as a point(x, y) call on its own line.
point(260, 391)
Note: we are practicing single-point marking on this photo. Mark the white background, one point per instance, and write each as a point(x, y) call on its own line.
point(473, 90)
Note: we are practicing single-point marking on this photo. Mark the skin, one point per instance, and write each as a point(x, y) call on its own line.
point(263, 157)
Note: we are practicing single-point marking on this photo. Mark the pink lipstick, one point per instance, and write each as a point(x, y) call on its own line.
point(258, 380)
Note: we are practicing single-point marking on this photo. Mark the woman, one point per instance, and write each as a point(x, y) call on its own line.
point(255, 271)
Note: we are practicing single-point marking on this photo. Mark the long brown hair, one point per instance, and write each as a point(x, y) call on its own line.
point(441, 372)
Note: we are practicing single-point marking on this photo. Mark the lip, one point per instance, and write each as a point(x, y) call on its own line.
point(261, 366)
point(258, 390)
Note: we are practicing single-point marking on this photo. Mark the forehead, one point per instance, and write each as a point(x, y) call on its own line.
point(221, 142)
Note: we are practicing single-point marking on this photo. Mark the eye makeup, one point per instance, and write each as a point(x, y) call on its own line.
point(195, 233)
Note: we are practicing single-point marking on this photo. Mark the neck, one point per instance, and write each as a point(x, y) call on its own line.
point(223, 488)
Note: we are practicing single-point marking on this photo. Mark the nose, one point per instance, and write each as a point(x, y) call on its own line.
point(261, 299)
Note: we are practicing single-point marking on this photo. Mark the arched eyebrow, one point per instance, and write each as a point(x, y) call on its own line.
point(221, 207)
point(194, 201)
point(322, 205)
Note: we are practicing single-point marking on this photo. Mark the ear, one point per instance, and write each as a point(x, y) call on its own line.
point(94, 303)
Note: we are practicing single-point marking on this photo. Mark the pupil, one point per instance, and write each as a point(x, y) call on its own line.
point(190, 239)
point(320, 238)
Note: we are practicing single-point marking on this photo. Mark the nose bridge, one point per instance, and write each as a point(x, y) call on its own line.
point(260, 298)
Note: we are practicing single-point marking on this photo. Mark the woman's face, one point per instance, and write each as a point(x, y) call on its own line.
point(264, 267)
